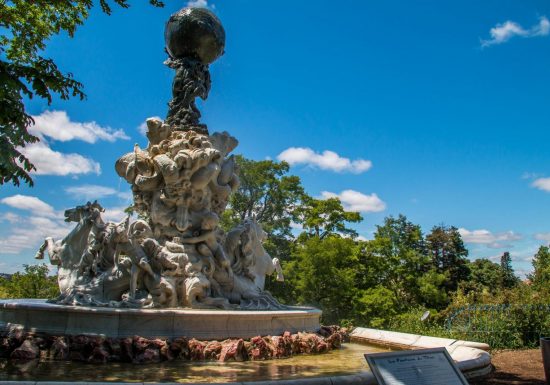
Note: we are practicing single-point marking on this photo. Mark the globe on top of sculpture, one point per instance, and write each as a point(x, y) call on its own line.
point(194, 33)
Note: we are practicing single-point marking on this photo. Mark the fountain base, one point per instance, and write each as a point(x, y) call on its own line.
point(41, 317)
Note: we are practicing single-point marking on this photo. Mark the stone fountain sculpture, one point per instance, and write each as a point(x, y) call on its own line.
point(175, 254)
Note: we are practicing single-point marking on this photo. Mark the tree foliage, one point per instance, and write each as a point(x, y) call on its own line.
point(26, 73)
point(507, 277)
point(540, 277)
point(323, 273)
point(448, 254)
point(34, 282)
point(266, 192)
point(324, 217)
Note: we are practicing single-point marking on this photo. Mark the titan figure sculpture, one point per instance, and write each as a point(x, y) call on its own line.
point(175, 254)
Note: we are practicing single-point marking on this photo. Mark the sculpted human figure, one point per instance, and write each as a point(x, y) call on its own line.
point(207, 240)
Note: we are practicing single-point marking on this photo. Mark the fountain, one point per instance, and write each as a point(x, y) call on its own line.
point(172, 271)
point(150, 289)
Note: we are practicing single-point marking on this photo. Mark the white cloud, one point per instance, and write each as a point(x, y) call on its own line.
point(29, 231)
point(485, 237)
point(114, 214)
point(11, 218)
point(29, 203)
point(92, 192)
point(542, 237)
point(50, 162)
point(542, 184)
point(355, 201)
point(327, 160)
point(57, 126)
point(501, 33)
point(198, 3)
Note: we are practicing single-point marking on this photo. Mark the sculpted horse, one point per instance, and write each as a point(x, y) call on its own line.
point(66, 253)
point(250, 263)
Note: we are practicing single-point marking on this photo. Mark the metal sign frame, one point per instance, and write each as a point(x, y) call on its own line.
point(406, 362)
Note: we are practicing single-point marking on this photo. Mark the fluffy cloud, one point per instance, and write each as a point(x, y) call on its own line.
point(355, 201)
point(501, 33)
point(57, 126)
point(90, 191)
point(114, 214)
point(31, 232)
point(198, 3)
point(28, 203)
point(27, 232)
point(485, 237)
point(542, 237)
point(31, 229)
point(50, 162)
point(542, 184)
point(327, 160)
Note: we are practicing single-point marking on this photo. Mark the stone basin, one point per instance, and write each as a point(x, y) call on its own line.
point(41, 317)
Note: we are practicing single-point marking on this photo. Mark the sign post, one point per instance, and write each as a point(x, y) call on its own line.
point(415, 367)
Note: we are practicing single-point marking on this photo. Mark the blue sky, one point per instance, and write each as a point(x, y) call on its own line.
point(437, 110)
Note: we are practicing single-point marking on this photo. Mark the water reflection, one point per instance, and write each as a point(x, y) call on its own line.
point(347, 360)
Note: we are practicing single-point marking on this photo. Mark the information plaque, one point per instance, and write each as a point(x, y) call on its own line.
point(415, 367)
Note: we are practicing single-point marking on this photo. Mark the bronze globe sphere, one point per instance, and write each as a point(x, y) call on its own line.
point(194, 33)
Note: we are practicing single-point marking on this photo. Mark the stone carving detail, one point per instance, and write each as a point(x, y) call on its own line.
point(175, 254)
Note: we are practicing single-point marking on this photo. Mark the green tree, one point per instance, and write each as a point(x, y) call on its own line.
point(323, 217)
point(25, 72)
point(401, 235)
point(541, 264)
point(266, 192)
point(508, 279)
point(485, 279)
point(448, 254)
point(396, 260)
point(322, 272)
point(34, 282)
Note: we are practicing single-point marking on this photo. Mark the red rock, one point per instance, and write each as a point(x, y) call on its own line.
point(99, 355)
point(196, 350)
point(166, 353)
point(81, 344)
point(277, 346)
point(60, 349)
point(127, 349)
point(27, 351)
point(113, 346)
point(140, 343)
point(335, 341)
point(233, 350)
point(149, 355)
point(260, 350)
point(322, 346)
point(212, 350)
point(5, 348)
point(17, 335)
point(287, 342)
point(180, 348)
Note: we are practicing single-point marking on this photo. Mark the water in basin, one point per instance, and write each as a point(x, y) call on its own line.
point(347, 360)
